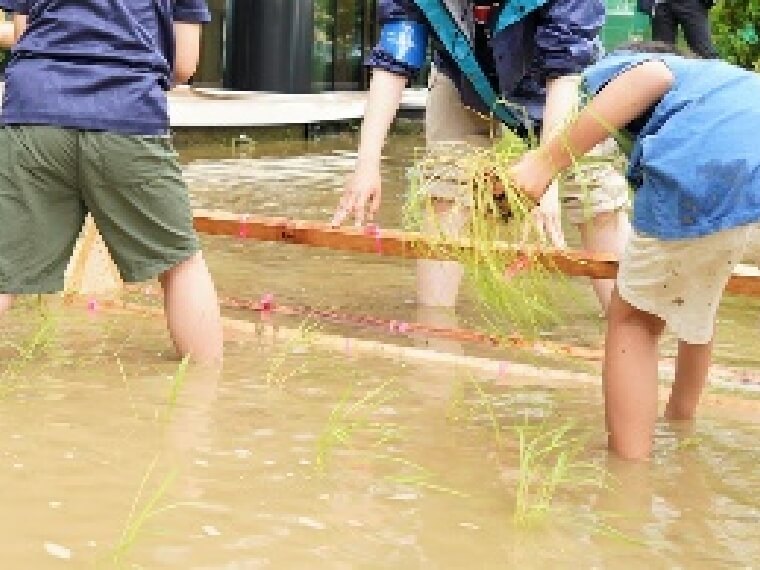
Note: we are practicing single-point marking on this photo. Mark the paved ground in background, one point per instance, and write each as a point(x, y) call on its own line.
point(221, 108)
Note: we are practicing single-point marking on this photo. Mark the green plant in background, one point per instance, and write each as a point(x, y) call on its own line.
point(736, 31)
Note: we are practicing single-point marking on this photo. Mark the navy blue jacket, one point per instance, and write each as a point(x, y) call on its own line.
point(559, 38)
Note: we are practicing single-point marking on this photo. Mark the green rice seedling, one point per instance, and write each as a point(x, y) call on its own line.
point(460, 408)
point(36, 344)
point(597, 524)
point(549, 460)
point(417, 476)
point(516, 286)
point(486, 401)
point(347, 419)
point(515, 289)
point(125, 381)
point(690, 443)
point(457, 407)
point(175, 388)
point(277, 373)
point(350, 425)
point(139, 516)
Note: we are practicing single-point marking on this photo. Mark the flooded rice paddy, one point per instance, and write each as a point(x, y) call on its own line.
point(334, 446)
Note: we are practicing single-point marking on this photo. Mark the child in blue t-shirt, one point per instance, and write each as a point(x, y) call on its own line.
point(85, 129)
point(695, 166)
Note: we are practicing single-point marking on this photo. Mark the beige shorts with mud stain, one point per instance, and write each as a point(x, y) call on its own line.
point(682, 281)
point(452, 130)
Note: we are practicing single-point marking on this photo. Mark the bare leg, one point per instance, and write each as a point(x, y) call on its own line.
point(6, 301)
point(438, 281)
point(607, 232)
point(692, 367)
point(630, 378)
point(192, 311)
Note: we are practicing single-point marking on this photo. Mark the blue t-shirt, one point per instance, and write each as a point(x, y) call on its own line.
point(695, 159)
point(95, 64)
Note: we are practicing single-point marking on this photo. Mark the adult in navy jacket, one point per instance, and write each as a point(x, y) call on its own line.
point(528, 52)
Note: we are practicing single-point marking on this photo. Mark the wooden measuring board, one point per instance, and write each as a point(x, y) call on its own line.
point(410, 245)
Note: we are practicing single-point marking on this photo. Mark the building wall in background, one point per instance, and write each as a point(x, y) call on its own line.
point(292, 46)
point(306, 46)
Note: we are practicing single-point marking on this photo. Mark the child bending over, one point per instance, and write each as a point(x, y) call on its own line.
point(695, 166)
point(85, 129)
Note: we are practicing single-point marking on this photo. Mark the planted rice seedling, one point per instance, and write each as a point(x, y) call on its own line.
point(351, 425)
point(549, 460)
point(36, 344)
point(278, 372)
point(141, 514)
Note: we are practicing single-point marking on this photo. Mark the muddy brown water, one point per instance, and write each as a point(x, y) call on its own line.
point(303, 457)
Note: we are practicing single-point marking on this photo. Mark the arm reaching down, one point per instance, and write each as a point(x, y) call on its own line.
point(624, 99)
point(362, 193)
point(561, 104)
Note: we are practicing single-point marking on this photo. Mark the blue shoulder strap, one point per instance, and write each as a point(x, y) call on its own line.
point(460, 49)
point(515, 11)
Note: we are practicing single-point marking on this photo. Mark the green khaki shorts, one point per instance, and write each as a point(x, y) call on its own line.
point(50, 178)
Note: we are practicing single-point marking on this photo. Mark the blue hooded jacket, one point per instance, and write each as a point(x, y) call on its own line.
point(561, 37)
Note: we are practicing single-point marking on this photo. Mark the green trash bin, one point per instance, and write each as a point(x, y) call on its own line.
point(624, 24)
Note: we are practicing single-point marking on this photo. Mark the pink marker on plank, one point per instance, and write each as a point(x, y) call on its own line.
point(521, 263)
point(266, 303)
point(374, 231)
point(243, 230)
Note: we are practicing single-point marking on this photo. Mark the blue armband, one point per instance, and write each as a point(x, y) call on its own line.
point(405, 41)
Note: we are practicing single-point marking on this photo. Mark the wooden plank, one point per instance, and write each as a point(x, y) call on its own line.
point(410, 245)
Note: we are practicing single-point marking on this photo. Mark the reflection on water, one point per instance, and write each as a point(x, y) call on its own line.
point(412, 476)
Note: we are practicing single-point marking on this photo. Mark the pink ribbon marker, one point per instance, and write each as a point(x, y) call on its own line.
point(520, 264)
point(266, 303)
point(243, 231)
point(374, 231)
point(92, 305)
point(398, 327)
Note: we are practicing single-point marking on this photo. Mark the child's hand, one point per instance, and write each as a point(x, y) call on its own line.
point(532, 175)
point(546, 219)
